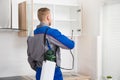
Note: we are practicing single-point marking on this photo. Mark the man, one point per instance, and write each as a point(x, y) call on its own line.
point(56, 40)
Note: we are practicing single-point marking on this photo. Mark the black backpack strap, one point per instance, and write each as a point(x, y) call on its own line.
point(45, 35)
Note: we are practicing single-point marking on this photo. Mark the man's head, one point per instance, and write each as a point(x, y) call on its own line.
point(44, 15)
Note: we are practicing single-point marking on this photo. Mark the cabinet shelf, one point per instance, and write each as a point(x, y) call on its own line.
point(68, 20)
point(55, 3)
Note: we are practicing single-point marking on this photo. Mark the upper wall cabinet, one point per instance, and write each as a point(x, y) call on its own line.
point(25, 18)
point(66, 15)
point(5, 14)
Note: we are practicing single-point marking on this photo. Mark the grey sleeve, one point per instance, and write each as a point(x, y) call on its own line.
point(56, 42)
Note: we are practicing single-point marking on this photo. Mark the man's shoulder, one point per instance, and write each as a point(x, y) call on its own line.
point(40, 30)
point(51, 31)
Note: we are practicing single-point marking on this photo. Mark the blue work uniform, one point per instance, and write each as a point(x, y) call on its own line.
point(37, 48)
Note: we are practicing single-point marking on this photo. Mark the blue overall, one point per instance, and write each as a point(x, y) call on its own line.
point(59, 40)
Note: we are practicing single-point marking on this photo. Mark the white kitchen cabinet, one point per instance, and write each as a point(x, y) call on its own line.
point(65, 17)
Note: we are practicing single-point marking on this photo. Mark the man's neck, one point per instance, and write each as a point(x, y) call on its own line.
point(45, 23)
point(42, 24)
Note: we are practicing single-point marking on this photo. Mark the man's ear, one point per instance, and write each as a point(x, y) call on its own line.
point(48, 17)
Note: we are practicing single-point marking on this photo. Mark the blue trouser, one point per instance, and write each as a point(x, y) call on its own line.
point(57, 76)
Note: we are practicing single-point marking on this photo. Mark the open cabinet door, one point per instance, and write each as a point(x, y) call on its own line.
point(22, 18)
point(5, 14)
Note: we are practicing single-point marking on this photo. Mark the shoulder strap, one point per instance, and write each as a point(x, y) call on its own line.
point(48, 44)
point(45, 35)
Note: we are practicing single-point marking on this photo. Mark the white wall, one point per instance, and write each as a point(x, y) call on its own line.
point(13, 55)
point(111, 40)
point(88, 40)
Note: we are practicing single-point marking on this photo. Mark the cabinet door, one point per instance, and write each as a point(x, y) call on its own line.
point(67, 19)
point(5, 14)
point(22, 16)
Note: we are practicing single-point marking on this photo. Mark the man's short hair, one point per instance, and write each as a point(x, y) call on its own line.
point(42, 12)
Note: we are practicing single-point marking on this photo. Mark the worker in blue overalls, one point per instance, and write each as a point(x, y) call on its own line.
point(56, 40)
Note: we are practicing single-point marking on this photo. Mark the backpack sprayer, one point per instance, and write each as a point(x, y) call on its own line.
point(49, 63)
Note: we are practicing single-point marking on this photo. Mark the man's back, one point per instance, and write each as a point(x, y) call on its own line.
point(56, 39)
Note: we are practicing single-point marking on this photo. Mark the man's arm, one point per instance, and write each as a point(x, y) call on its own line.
point(59, 39)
